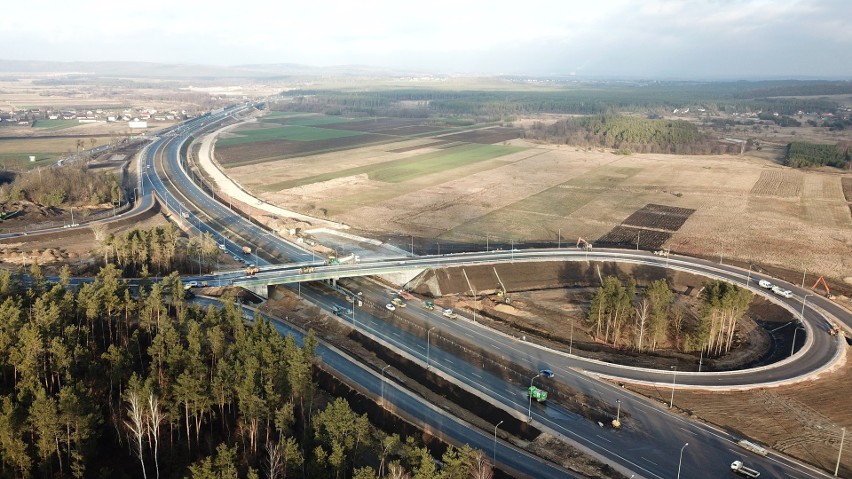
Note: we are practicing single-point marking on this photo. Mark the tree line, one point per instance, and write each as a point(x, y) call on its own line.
point(141, 252)
point(630, 133)
point(648, 320)
point(115, 380)
point(69, 185)
point(802, 154)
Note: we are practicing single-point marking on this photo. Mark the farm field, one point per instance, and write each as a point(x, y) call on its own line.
point(287, 133)
point(746, 207)
point(15, 152)
point(55, 124)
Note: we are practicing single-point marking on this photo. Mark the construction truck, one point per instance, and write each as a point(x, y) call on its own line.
point(250, 272)
point(539, 395)
point(740, 468)
point(246, 250)
point(585, 244)
point(824, 285)
point(398, 302)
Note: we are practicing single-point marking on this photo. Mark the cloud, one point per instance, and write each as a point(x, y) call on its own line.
point(652, 37)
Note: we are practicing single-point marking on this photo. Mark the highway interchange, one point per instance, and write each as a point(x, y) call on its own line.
point(648, 444)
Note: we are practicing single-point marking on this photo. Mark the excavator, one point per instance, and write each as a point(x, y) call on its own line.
point(586, 245)
point(824, 285)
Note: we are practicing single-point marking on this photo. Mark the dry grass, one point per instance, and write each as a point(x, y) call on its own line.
point(747, 207)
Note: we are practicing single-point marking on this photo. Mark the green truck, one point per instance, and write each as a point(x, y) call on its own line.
point(429, 305)
point(539, 395)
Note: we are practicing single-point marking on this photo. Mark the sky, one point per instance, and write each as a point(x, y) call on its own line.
point(678, 39)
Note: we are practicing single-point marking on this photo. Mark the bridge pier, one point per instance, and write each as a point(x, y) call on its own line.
point(261, 290)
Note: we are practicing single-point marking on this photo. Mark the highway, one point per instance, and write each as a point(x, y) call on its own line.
point(819, 351)
point(652, 436)
point(412, 406)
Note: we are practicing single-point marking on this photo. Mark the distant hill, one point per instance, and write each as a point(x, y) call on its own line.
point(187, 70)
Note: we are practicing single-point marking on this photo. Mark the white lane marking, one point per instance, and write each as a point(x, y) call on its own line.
point(605, 439)
point(648, 460)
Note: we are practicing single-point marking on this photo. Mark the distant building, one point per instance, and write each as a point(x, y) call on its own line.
point(137, 124)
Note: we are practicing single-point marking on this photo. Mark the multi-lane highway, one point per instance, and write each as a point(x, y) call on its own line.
point(651, 437)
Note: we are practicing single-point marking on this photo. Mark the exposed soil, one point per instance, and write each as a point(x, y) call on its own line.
point(488, 136)
point(230, 155)
point(659, 217)
point(550, 300)
point(627, 236)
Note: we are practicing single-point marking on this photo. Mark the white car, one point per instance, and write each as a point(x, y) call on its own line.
point(390, 307)
point(222, 246)
point(765, 284)
point(786, 293)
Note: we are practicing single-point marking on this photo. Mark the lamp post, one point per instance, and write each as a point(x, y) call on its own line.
point(559, 239)
point(618, 411)
point(680, 462)
point(383, 384)
point(494, 453)
point(674, 380)
point(428, 346)
point(748, 278)
point(840, 453)
point(571, 342)
point(804, 300)
point(529, 393)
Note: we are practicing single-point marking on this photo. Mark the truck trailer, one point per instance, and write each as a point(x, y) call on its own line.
point(740, 468)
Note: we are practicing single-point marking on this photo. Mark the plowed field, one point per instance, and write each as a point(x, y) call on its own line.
point(783, 183)
point(846, 181)
point(627, 236)
point(486, 136)
point(659, 217)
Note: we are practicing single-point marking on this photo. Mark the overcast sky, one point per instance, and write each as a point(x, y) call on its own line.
point(618, 38)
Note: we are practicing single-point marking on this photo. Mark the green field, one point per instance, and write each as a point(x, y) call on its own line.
point(398, 171)
point(438, 161)
point(277, 114)
point(55, 124)
point(288, 133)
point(11, 161)
point(314, 120)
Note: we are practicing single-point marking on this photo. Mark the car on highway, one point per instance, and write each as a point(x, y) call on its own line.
point(390, 307)
point(765, 284)
point(546, 373)
point(222, 246)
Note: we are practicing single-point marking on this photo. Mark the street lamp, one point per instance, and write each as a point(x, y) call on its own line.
point(494, 453)
point(840, 453)
point(383, 384)
point(804, 300)
point(427, 346)
point(681, 460)
point(618, 411)
point(529, 393)
point(748, 278)
point(674, 379)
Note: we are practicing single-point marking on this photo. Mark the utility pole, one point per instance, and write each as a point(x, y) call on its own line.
point(674, 379)
point(840, 453)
